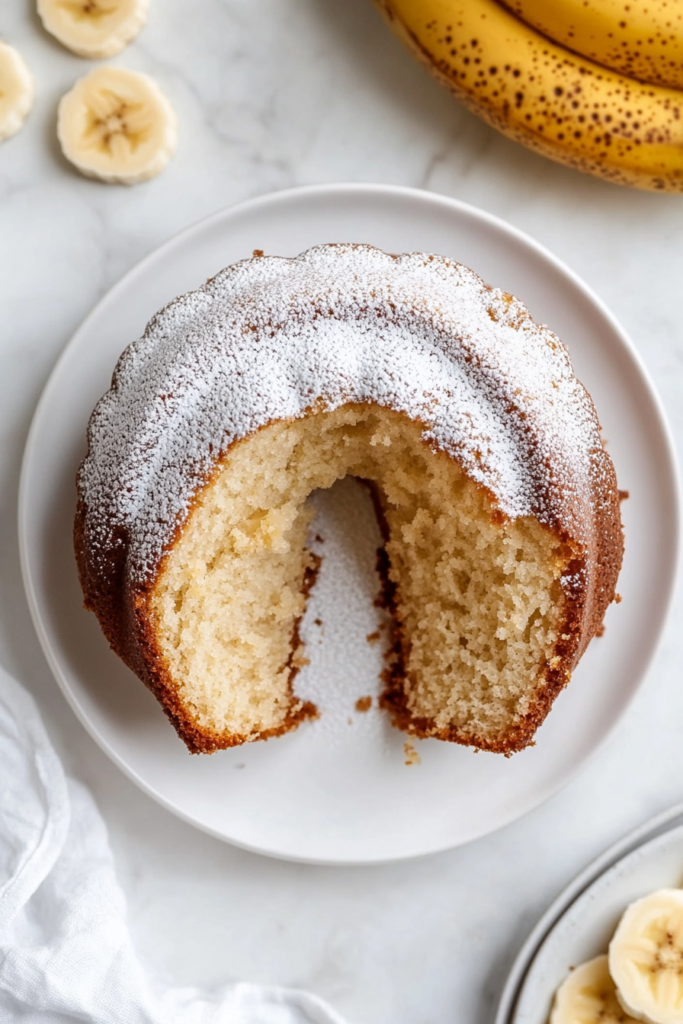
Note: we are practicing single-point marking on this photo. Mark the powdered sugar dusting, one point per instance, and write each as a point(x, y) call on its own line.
point(268, 338)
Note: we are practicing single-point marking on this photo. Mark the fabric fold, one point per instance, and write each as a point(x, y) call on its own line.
point(66, 954)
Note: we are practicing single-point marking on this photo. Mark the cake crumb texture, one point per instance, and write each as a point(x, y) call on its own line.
point(477, 602)
point(496, 496)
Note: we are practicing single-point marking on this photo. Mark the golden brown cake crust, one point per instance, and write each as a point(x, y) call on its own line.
point(570, 488)
point(126, 623)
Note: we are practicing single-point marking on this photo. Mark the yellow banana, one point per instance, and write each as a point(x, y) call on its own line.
point(640, 38)
point(542, 95)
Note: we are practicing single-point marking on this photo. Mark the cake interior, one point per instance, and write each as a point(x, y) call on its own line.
point(478, 603)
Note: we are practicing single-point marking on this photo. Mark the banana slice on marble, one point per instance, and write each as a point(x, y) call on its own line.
point(116, 125)
point(16, 91)
point(646, 958)
point(588, 996)
point(96, 29)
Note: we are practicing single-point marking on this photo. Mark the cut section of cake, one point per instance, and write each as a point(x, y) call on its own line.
point(497, 499)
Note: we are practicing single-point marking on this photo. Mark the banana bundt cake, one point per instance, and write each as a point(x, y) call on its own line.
point(497, 499)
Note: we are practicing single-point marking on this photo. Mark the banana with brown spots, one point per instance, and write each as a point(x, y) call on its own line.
point(542, 95)
point(640, 38)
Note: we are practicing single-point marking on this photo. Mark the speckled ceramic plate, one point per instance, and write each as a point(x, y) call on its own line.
point(339, 790)
point(585, 917)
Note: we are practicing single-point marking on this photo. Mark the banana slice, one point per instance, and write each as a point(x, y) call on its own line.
point(16, 91)
point(588, 996)
point(646, 958)
point(96, 29)
point(117, 125)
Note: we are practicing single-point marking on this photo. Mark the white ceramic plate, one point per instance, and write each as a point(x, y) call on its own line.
point(339, 790)
point(585, 928)
point(663, 822)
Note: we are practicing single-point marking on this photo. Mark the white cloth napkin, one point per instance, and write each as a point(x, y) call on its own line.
point(65, 951)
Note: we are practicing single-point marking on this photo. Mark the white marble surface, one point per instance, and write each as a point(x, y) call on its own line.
point(272, 94)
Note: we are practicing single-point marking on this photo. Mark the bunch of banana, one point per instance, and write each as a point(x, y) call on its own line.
point(585, 109)
point(640, 38)
point(642, 977)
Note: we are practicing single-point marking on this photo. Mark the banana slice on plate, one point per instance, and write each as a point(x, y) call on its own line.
point(588, 996)
point(117, 125)
point(16, 91)
point(96, 29)
point(646, 958)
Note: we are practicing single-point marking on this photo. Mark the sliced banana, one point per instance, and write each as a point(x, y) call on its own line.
point(16, 91)
point(646, 958)
point(96, 29)
point(588, 996)
point(117, 125)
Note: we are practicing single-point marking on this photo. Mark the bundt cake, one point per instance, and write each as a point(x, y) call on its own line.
point(497, 499)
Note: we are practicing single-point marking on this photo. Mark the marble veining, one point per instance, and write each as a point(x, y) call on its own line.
point(270, 95)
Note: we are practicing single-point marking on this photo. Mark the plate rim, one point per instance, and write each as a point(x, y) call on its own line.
point(653, 828)
point(262, 202)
